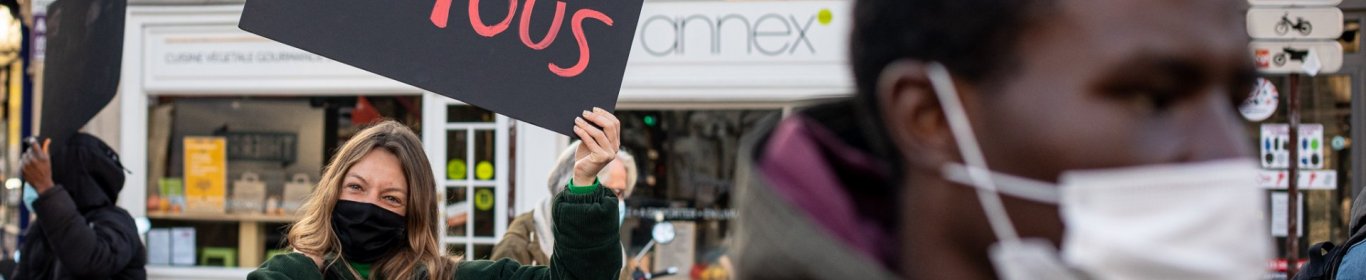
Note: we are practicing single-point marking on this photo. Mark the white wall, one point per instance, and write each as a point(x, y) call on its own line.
point(537, 149)
point(105, 125)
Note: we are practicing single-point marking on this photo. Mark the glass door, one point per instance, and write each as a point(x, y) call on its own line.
point(469, 154)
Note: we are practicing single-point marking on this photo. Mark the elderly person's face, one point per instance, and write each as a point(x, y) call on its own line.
point(616, 179)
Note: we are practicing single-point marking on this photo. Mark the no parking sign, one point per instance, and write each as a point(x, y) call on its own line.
point(1261, 104)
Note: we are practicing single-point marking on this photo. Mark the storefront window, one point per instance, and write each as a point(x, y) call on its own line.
point(226, 174)
point(687, 169)
point(1326, 159)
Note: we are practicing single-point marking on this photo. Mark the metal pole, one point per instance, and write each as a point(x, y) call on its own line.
point(1292, 240)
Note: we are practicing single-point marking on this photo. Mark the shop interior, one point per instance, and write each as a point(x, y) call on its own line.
point(687, 169)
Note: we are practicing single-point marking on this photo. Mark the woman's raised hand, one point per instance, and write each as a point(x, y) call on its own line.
point(600, 144)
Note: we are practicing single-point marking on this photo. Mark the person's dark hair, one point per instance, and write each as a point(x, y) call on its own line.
point(974, 39)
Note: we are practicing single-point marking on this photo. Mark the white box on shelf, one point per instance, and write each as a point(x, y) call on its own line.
point(182, 246)
point(159, 246)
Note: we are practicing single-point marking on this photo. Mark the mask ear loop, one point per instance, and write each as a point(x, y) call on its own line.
point(1007, 184)
point(987, 193)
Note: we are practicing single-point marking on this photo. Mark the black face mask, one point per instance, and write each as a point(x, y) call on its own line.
point(366, 231)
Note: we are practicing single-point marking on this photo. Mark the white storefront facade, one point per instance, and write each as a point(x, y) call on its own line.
point(702, 65)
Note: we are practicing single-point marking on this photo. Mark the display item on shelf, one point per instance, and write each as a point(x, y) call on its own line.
point(249, 194)
point(296, 191)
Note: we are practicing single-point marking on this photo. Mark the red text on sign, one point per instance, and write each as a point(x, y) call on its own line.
point(441, 14)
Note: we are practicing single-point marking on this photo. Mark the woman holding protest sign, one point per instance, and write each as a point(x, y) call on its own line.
point(374, 216)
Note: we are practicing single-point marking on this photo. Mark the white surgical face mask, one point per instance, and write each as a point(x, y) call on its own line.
point(1175, 221)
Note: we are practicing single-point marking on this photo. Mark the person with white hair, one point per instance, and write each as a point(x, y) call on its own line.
point(530, 238)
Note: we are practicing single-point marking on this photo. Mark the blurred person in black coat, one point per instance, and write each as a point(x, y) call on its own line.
point(79, 232)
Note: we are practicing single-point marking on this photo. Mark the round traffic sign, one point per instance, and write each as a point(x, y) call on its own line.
point(1262, 103)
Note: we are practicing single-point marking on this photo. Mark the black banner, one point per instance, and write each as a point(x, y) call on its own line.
point(541, 62)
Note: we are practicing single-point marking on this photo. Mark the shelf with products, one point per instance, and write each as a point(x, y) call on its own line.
point(242, 241)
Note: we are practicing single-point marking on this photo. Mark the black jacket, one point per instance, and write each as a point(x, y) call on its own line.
point(775, 238)
point(79, 232)
point(590, 249)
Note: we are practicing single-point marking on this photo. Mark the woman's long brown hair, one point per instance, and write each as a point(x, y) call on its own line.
point(313, 235)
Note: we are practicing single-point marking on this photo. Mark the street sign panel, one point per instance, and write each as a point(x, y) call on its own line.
point(1294, 2)
point(1280, 203)
point(1309, 179)
point(1275, 146)
point(1294, 23)
point(1297, 57)
point(1261, 104)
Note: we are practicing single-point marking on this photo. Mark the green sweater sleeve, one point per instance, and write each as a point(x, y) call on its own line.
point(292, 266)
point(587, 243)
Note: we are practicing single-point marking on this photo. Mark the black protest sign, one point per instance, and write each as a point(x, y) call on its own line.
point(84, 59)
point(542, 62)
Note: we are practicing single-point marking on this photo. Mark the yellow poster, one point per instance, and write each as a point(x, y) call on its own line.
point(206, 174)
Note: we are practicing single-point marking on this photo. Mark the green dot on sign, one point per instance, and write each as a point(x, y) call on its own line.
point(825, 16)
point(1314, 144)
point(483, 170)
point(455, 169)
point(483, 199)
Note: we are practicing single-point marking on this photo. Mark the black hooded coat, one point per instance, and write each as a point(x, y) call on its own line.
point(79, 232)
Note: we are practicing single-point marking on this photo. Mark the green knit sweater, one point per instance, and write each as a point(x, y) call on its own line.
point(588, 246)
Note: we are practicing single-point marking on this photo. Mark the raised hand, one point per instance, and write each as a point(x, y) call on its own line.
point(37, 166)
point(599, 146)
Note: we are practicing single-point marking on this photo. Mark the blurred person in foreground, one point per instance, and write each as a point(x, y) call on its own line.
point(1021, 139)
point(374, 216)
point(79, 233)
point(530, 238)
point(1328, 260)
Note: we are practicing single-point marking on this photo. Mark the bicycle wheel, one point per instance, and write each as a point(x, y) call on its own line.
point(1307, 29)
point(1282, 28)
